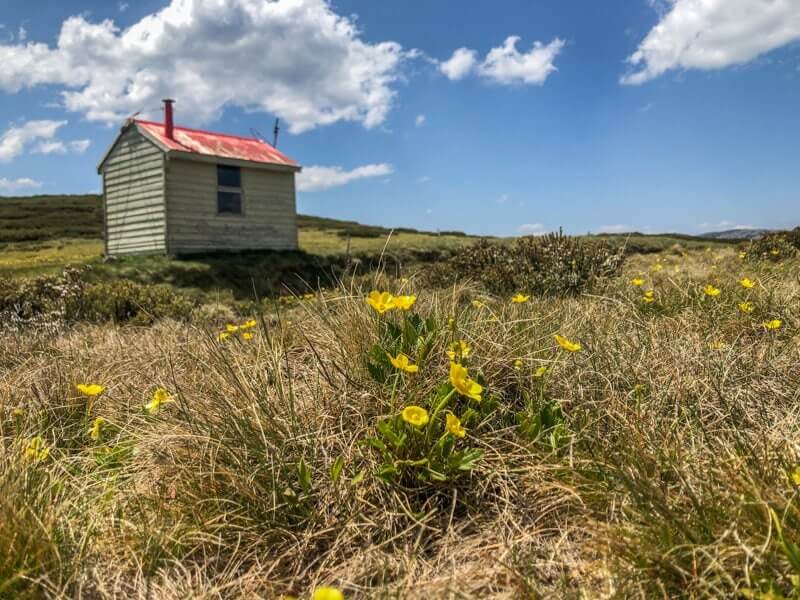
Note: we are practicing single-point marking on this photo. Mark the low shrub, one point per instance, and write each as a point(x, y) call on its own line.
point(554, 264)
point(774, 247)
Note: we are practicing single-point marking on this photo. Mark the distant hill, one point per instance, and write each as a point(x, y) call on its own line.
point(41, 218)
point(738, 234)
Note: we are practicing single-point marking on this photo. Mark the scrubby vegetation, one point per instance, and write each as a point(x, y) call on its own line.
point(433, 441)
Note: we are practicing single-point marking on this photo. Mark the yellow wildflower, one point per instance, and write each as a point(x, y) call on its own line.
point(775, 252)
point(460, 349)
point(520, 299)
point(160, 396)
point(637, 281)
point(327, 593)
point(716, 345)
point(248, 324)
point(415, 415)
point(657, 267)
point(231, 328)
point(747, 283)
point(711, 291)
point(90, 389)
point(454, 426)
point(566, 344)
point(773, 325)
point(97, 428)
point(223, 335)
point(404, 280)
point(540, 372)
point(380, 301)
point(404, 302)
point(747, 307)
point(401, 362)
point(247, 336)
point(742, 255)
point(518, 365)
point(795, 475)
point(459, 377)
point(308, 296)
point(648, 297)
point(478, 304)
point(36, 450)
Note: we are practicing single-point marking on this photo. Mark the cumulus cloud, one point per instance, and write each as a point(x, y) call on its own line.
point(713, 34)
point(18, 137)
point(531, 229)
point(13, 185)
point(614, 229)
point(315, 178)
point(59, 147)
point(293, 58)
point(460, 64)
point(505, 64)
point(419, 121)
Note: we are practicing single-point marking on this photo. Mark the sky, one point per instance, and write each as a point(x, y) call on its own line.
point(494, 118)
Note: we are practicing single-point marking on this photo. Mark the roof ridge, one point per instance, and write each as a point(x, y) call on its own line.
point(206, 131)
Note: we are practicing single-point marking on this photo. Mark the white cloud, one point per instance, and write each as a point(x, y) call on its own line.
point(80, 146)
point(58, 147)
point(713, 34)
point(419, 121)
point(293, 58)
point(507, 65)
point(615, 229)
point(423, 179)
point(22, 34)
point(18, 137)
point(531, 229)
point(123, 6)
point(460, 64)
point(315, 178)
point(12, 185)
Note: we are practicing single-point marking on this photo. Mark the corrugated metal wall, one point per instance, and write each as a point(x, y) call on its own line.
point(269, 219)
point(133, 184)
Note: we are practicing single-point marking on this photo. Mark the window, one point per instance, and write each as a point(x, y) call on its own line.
point(229, 190)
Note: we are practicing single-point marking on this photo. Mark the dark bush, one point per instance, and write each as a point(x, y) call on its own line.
point(554, 264)
point(774, 247)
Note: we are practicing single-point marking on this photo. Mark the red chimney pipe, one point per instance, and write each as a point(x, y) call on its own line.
point(169, 125)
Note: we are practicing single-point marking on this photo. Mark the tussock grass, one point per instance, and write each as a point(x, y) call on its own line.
point(655, 462)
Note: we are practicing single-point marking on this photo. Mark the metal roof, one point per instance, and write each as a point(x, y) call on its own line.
point(221, 145)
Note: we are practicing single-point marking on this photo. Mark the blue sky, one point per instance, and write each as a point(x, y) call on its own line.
point(609, 123)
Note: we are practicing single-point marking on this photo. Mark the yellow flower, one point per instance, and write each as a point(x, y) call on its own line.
point(795, 475)
point(224, 335)
point(247, 336)
point(97, 428)
point(160, 396)
point(566, 344)
point(454, 426)
point(36, 450)
point(637, 281)
point(747, 283)
point(248, 324)
point(404, 280)
point(478, 304)
point(327, 593)
point(648, 297)
point(401, 362)
point(415, 415)
point(773, 325)
point(459, 377)
point(380, 301)
point(404, 302)
point(90, 389)
point(742, 255)
point(716, 345)
point(520, 299)
point(540, 372)
point(774, 252)
point(747, 307)
point(231, 328)
point(711, 291)
point(308, 296)
point(518, 365)
point(657, 267)
point(460, 349)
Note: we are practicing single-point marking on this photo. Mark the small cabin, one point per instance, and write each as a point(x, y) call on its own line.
point(173, 190)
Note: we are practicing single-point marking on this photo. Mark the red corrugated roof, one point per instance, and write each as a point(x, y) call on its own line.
point(217, 144)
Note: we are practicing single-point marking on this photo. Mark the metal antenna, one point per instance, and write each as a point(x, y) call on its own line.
point(256, 133)
point(275, 131)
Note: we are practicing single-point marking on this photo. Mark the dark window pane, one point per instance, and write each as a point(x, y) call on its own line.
point(229, 176)
point(229, 202)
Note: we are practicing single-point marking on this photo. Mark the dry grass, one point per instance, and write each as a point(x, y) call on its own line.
point(680, 426)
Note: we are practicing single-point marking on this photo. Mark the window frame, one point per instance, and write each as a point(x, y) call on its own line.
point(231, 190)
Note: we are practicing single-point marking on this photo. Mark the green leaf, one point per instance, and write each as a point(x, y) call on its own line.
point(466, 460)
point(386, 429)
point(304, 475)
point(336, 469)
point(358, 477)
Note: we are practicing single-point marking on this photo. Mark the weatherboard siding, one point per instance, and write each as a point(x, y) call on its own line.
point(133, 184)
point(268, 220)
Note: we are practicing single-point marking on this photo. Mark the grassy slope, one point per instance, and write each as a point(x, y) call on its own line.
point(679, 426)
